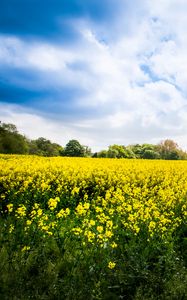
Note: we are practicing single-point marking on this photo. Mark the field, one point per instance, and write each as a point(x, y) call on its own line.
point(78, 228)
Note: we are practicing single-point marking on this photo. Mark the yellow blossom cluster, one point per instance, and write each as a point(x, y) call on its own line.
point(96, 200)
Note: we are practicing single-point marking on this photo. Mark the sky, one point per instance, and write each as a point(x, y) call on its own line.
point(102, 72)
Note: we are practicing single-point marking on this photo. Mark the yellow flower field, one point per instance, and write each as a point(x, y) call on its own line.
point(98, 192)
point(98, 203)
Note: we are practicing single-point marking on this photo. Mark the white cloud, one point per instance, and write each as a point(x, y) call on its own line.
point(40, 56)
point(139, 82)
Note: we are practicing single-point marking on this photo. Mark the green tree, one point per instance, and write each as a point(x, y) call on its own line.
point(146, 151)
point(74, 148)
point(44, 147)
point(116, 151)
point(33, 148)
point(150, 154)
point(136, 149)
point(149, 151)
point(87, 151)
point(11, 142)
point(120, 151)
point(129, 152)
point(168, 149)
point(102, 154)
point(9, 127)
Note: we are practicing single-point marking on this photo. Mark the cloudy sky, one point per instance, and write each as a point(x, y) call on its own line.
point(102, 72)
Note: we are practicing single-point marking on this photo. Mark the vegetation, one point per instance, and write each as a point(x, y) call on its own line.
point(167, 149)
point(78, 228)
point(74, 148)
point(12, 142)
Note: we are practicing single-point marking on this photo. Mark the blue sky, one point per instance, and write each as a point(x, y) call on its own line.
point(102, 72)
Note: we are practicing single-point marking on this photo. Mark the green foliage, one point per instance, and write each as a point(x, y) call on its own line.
point(168, 149)
point(74, 149)
point(150, 154)
point(60, 268)
point(44, 147)
point(112, 153)
point(136, 149)
point(102, 154)
point(146, 151)
point(67, 266)
point(11, 141)
point(9, 127)
point(117, 151)
point(87, 151)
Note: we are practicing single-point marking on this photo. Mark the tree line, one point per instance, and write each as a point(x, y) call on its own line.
point(167, 149)
point(12, 142)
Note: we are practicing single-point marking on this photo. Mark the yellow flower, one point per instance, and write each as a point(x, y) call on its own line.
point(100, 229)
point(39, 212)
point(28, 222)
point(63, 213)
point(82, 209)
point(21, 211)
point(49, 233)
point(67, 211)
point(11, 228)
point(77, 230)
point(52, 203)
point(108, 233)
point(75, 191)
point(10, 207)
point(36, 205)
point(25, 248)
point(114, 245)
point(90, 235)
point(92, 223)
point(111, 265)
